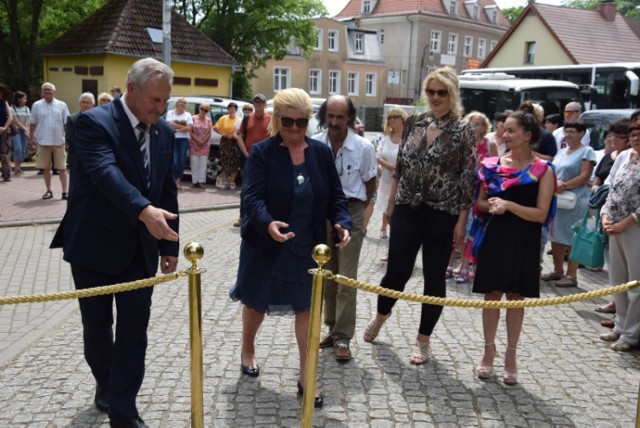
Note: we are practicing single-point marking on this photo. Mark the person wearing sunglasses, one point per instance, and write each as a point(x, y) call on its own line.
point(355, 161)
point(252, 130)
point(291, 190)
point(572, 112)
point(199, 136)
point(433, 188)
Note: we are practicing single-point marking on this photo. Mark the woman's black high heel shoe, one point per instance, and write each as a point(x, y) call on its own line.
point(249, 371)
point(319, 400)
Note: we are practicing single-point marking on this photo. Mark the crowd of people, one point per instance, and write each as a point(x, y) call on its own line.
point(445, 185)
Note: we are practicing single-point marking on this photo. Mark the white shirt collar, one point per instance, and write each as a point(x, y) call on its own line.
point(132, 118)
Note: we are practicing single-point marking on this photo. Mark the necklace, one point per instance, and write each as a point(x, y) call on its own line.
point(438, 122)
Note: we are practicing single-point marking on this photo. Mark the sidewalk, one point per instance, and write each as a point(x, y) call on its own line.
point(22, 201)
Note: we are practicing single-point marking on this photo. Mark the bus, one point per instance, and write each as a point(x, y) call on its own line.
point(603, 86)
point(492, 93)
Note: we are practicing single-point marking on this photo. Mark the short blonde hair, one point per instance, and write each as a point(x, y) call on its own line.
point(105, 96)
point(483, 117)
point(447, 76)
point(394, 111)
point(181, 100)
point(294, 98)
point(205, 105)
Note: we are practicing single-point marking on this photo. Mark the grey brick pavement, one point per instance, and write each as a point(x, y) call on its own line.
point(567, 376)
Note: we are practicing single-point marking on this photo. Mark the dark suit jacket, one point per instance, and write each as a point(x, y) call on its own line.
point(268, 191)
point(69, 136)
point(100, 230)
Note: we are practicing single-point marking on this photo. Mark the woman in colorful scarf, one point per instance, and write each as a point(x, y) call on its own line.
point(515, 200)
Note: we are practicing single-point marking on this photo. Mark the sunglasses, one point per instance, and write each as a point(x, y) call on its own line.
point(247, 110)
point(441, 92)
point(204, 109)
point(393, 117)
point(288, 122)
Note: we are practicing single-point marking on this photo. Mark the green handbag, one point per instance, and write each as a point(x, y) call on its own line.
point(587, 246)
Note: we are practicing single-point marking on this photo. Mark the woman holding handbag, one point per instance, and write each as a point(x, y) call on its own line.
point(5, 132)
point(574, 165)
point(621, 221)
point(516, 191)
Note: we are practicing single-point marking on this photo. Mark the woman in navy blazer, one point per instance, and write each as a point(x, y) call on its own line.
point(291, 189)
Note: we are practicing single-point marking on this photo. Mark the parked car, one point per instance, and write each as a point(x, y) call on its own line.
point(313, 126)
point(599, 120)
point(218, 109)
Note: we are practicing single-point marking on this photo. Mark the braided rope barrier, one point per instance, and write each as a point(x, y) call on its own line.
point(474, 303)
point(91, 292)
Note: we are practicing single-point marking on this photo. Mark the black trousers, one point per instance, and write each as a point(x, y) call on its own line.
point(117, 365)
point(412, 228)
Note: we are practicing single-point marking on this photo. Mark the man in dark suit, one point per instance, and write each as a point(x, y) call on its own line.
point(120, 219)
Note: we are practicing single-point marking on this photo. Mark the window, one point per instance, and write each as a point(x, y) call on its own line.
point(494, 43)
point(530, 52)
point(281, 78)
point(492, 13)
point(334, 82)
point(435, 41)
point(352, 83)
point(318, 45)
point(453, 7)
point(482, 48)
point(359, 43)
point(366, 6)
point(332, 40)
point(382, 36)
point(468, 46)
point(370, 84)
point(315, 81)
point(452, 46)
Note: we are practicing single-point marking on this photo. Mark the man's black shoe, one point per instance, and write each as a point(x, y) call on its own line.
point(128, 423)
point(102, 399)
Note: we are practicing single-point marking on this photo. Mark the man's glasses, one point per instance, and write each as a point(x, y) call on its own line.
point(288, 122)
point(441, 92)
point(571, 111)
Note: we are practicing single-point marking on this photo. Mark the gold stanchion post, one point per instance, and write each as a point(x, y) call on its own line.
point(321, 255)
point(194, 252)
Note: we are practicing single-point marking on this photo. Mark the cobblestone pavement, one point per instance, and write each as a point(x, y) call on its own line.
point(567, 375)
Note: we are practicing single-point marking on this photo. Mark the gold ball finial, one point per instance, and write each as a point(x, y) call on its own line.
point(193, 252)
point(321, 254)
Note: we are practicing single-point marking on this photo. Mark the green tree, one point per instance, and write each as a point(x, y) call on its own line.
point(512, 13)
point(25, 25)
point(254, 31)
point(630, 8)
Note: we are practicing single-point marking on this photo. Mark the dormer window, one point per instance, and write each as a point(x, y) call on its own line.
point(366, 6)
point(359, 43)
point(451, 6)
point(472, 9)
point(492, 13)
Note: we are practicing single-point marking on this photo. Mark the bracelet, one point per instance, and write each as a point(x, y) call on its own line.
point(635, 218)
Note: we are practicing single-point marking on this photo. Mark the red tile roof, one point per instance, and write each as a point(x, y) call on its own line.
point(584, 34)
point(428, 7)
point(119, 27)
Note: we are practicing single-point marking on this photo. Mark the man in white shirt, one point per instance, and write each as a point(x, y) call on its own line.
point(572, 112)
point(48, 118)
point(356, 164)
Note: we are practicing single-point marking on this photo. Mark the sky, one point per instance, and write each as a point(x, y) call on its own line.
point(335, 6)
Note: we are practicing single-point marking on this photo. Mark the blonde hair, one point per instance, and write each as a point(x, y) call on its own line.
point(447, 76)
point(104, 96)
point(483, 117)
point(394, 111)
point(294, 98)
point(205, 105)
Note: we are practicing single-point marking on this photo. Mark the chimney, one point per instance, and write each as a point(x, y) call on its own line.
point(607, 9)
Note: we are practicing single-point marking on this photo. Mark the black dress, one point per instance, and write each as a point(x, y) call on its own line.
point(509, 260)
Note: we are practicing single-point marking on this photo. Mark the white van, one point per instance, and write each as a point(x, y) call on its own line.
point(492, 93)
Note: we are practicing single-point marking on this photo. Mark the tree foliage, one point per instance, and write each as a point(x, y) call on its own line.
point(254, 31)
point(630, 8)
point(512, 13)
point(25, 25)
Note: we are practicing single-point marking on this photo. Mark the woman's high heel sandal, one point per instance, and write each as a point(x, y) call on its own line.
point(318, 402)
point(420, 353)
point(373, 329)
point(485, 372)
point(510, 378)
